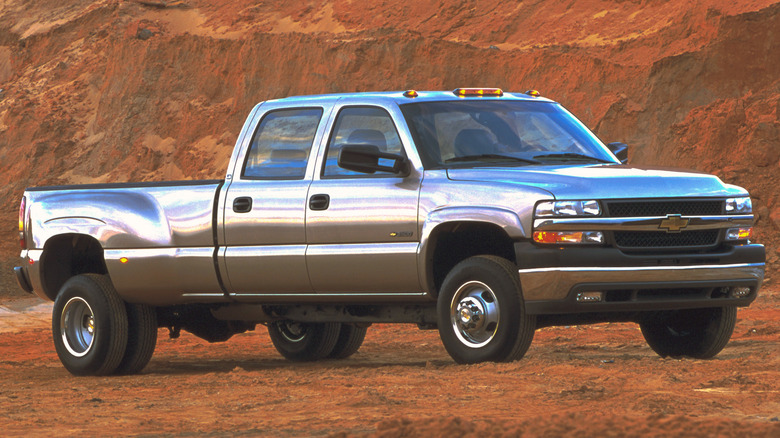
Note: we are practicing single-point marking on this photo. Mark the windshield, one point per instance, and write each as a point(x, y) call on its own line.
point(467, 133)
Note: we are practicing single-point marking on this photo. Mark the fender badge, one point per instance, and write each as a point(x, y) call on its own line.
point(401, 234)
point(673, 223)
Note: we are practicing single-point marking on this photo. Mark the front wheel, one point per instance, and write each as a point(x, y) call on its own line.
point(302, 342)
point(481, 312)
point(697, 333)
point(89, 326)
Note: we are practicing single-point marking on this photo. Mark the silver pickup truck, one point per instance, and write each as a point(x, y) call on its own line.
point(480, 213)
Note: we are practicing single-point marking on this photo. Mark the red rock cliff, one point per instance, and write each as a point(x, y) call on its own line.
point(110, 90)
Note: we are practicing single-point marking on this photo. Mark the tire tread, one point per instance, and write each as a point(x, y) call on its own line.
point(349, 341)
point(141, 340)
point(119, 316)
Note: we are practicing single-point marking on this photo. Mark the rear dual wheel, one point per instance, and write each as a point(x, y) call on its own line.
point(350, 339)
point(96, 333)
point(141, 338)
point(304, 342)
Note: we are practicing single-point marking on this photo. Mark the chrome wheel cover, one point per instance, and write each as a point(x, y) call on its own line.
point(77, 326)
point(474, 314)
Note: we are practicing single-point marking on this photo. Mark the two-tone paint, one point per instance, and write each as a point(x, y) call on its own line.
point(174, 243)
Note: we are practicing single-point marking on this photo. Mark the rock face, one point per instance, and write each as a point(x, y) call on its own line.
point(110, 90)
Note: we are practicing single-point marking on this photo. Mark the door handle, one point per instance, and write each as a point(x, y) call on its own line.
point(319, 202)
point(242, 204)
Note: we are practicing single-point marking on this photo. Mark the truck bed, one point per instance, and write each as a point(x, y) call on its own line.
point(143, 228)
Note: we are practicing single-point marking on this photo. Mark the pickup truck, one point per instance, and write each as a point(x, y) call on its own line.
point(480, 213)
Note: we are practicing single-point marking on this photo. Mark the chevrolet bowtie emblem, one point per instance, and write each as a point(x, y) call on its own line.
point(673, 223)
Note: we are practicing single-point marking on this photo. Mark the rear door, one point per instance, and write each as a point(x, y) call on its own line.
point(362, 229)
point(265, 205)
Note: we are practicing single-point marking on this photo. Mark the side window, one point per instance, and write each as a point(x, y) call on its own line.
point(360, 125)
point(281, 144)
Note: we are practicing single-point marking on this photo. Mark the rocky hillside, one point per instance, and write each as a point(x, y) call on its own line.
point(112, 90)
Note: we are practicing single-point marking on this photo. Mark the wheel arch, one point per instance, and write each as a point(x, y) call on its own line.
point(460, 236)
point(67, 255)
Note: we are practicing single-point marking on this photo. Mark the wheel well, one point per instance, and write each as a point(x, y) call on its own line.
point(456, 241)
point(67, 255)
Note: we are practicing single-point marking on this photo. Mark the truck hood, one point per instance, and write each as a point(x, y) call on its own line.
point(604, 182)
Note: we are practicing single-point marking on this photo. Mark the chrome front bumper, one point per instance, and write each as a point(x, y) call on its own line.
point(542, 287)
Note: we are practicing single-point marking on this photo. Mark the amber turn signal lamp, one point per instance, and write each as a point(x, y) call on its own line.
point(567, 237)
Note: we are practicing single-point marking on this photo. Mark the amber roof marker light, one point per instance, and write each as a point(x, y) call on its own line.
point(411, 93)
point(533, 93)
point(464, 92)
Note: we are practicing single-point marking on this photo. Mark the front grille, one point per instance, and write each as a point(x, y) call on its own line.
point(663, 208)
point(655, 239)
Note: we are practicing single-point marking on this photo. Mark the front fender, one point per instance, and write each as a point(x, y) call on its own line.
point(503, 218)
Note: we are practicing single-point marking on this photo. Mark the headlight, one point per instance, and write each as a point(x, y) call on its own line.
point(548, 210)
point(739, 205)
point(568, 208)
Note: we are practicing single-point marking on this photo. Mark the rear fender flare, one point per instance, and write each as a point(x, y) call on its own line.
point(115, 219)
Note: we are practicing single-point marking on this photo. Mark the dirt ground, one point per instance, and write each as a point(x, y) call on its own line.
point(597, 380)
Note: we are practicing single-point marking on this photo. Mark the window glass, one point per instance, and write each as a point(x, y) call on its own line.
point(491, 132)
point(281, 145)
point(361, 126)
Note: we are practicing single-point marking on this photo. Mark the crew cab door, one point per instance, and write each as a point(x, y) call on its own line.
point(362, 228)
point(265, 205)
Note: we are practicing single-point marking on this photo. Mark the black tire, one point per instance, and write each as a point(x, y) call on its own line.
point(481, 312)
point(89, 326)
point(349, 341)
point(141, 338)
point(696, 333)
point(303, 342)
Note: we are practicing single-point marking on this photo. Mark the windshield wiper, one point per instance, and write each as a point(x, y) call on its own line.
point(490, 157)
point(571, 156)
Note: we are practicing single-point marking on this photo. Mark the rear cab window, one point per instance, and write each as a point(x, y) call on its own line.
point(281, 144)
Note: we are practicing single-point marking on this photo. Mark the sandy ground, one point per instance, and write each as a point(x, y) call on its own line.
point(597, 380)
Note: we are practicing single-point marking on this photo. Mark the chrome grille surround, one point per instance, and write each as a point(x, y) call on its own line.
point(644, 225)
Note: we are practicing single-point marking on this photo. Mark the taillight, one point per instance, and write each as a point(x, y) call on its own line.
point(22, 239)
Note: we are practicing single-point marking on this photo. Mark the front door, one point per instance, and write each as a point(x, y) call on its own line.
point(362, 229)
